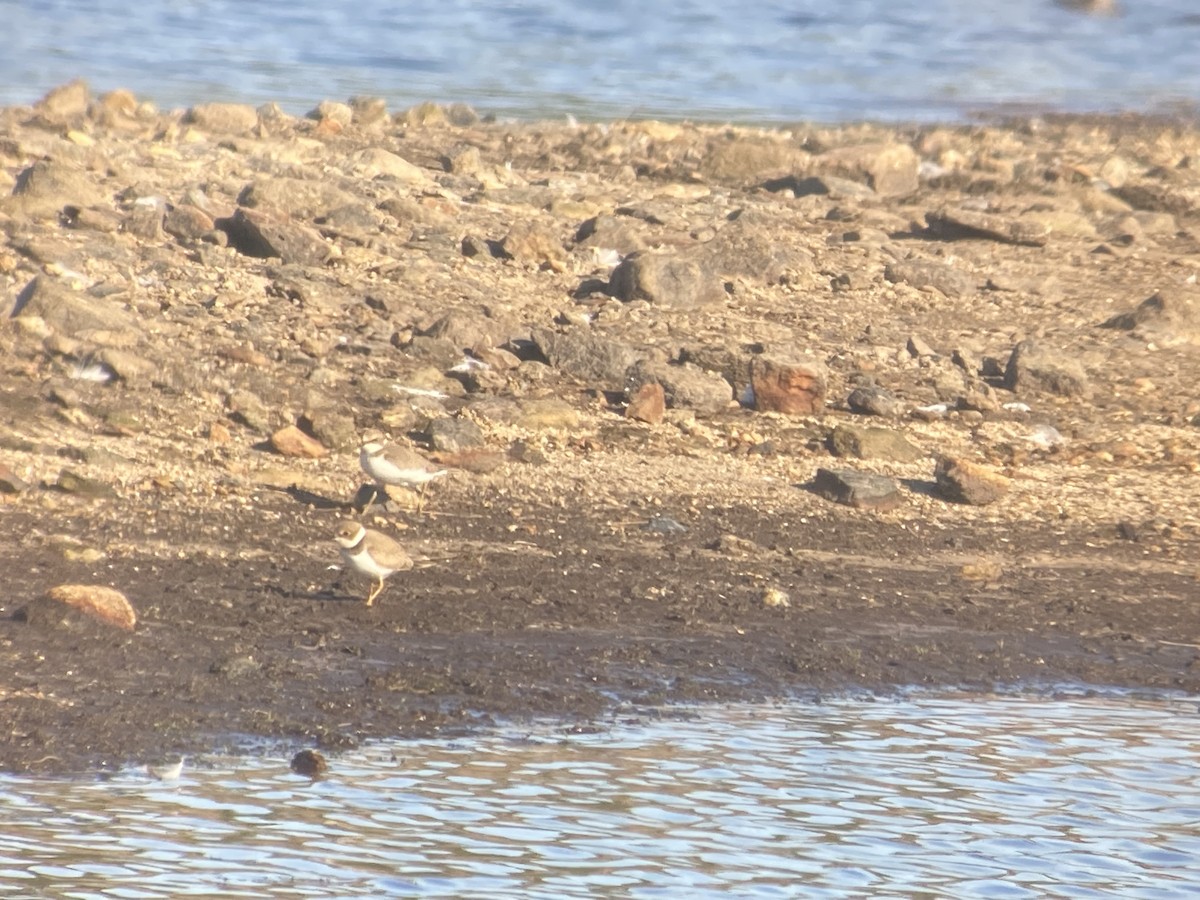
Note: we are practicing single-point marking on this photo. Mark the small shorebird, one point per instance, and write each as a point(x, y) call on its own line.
point(396, 465)
point(372, 553)
point(166, 771)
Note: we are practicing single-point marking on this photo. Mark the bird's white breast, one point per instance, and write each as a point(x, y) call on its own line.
point(362, 560)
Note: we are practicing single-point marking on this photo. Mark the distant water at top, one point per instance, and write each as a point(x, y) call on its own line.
point(755, 61)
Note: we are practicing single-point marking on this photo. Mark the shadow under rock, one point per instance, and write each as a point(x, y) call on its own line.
point(357, 503)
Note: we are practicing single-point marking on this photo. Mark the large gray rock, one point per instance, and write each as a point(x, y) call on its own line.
point(685, 386)
point(962, 481)
point(680, 280)
point(861, 490)
point(595, 360)
point(924, 275)
point(1169, 317)
point(890, 169)
point(223, 118)
point(67, 102)
point(744, 160)
point(258, 234)
point(747, 247)
point(1032, 368)
point(73, 313)
point(969, 224)
point(454, 435)
point(872, 443)
point(872, 400)
point(45, 188)
point(300, 198)
point(732, 360)
point(469, 330)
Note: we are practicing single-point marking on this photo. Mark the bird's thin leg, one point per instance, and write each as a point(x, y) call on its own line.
point(374, 497)
point(421, 497)
point(374, 593)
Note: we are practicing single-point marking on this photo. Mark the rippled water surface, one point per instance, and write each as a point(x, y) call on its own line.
point(934, 796)
point(760, 60)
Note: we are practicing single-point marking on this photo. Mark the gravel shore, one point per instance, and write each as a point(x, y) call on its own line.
point(727, 412)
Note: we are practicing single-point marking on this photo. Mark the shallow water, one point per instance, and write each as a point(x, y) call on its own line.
point(762, 60)
point(928, 796)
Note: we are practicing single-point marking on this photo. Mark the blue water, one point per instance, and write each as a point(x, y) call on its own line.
point(757, 61)
point(934, 796)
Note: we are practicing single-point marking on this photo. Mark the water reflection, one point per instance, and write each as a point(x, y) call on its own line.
point(933, 796)
point(828, 60)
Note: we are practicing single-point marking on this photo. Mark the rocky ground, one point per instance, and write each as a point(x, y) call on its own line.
point(728, 412)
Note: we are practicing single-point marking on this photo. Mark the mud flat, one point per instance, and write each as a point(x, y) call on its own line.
point(729, 413)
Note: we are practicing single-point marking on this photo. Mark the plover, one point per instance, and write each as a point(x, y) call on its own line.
point(396, 465)
point(372, 553)
point(166, 771)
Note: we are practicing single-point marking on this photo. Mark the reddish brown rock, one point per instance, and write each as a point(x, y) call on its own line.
point(291, 441)
point(104, 604)
point(648, 404)
point(788, 385)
